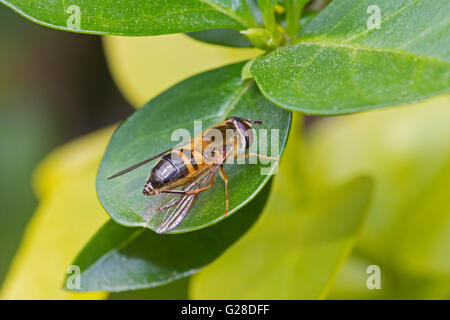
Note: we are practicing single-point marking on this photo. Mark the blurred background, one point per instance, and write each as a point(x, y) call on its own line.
point(61, 95)
point(54, 86)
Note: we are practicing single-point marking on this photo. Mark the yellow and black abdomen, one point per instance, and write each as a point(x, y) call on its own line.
point(169, 169)
point(188, 161)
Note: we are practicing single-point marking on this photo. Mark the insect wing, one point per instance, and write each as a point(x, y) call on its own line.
point(178, 212)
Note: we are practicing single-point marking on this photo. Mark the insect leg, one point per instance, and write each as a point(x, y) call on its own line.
point(202, 189)
point(173, 191)
point(225, 179)
point(188, 192)
point(258, 155)
point(172, 203)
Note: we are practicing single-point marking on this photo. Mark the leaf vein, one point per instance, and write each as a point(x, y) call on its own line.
point(396, 13)
point(355, 47)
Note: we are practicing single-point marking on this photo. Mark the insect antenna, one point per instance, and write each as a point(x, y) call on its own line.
point(255, 121)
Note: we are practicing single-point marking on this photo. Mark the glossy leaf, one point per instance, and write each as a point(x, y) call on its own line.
point(120, 259)
point(296, 248)
point(210, 97)
point(340, 65)
point(225, 37)
point(176, 290)
point(135, 17)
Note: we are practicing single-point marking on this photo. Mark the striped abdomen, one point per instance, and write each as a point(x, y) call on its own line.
point(169, 169)
point(172, 169)
point(187, 161)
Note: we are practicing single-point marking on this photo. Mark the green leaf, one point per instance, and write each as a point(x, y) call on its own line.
point(245, 74)
point(211, 97)
point(351, 283)
point(297, 256)
point(177, 290)
point(307, 17)
point(339, 65)
point(297, 247)
point(225, 37)
point(135, 17)
point(407, 151)
point(430, 217)
point(120, 259)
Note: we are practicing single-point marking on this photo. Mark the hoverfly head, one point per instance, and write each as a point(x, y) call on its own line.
point(244, 128)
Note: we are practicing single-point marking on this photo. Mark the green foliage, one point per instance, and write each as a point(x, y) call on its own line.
point(148, 132)
point(22, 147)
point(285, 251)
point(267, 10)
point(421, 183)
point(225, 37)
point(176, 290)
point(407, 152)
point(297, 237)
point(293, 15)
point(354, 55)
point(338, 65)
point(119, 258)
point(341, 62)
point(136, 17)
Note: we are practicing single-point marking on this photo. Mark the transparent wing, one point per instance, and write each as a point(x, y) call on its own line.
point(178, 206)
point(177, 210)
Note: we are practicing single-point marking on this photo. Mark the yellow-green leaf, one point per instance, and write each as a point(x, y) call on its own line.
point(69, 213)
point(407, 151)
point(295, 249)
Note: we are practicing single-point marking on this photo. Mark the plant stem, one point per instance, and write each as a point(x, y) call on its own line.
point(293, 13)
point(267, 8)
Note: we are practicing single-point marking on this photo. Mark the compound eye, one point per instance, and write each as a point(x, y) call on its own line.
point(247, 132)
point(248, 138)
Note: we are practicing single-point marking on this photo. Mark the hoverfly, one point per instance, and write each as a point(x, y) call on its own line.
point(187, 170)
